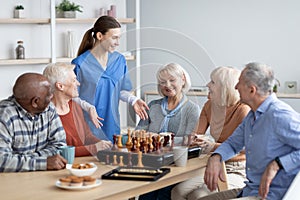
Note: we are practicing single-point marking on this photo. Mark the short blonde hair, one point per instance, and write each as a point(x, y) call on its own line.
point(227, 78)
point(57, 72)
point(177, 71)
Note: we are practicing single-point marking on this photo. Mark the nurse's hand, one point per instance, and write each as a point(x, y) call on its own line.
point(95, 118)
point(140, 108)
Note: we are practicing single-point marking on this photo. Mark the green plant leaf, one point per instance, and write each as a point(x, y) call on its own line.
point(66, 5)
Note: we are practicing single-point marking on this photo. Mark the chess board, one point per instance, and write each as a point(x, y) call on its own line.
point(153, 160)
point(137, 174)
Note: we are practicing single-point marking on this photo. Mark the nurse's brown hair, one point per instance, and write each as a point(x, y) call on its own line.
point(102, 25)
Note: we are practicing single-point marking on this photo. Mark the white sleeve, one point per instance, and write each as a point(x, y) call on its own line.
point(83, 104)
point(128, 97)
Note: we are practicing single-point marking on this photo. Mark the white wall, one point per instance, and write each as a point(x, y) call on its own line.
point(37, 37)
point(202, 34)
point(198, 34)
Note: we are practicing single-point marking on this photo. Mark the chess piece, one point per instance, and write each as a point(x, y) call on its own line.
point(150, 144)
point(121, 164)
point(115, 162)
point(129, 140)
point(115, 147)
point(172, 141)
point(154, 143)
point(120, 145)
point(107, 160)
point(146, 144)
point(140, 157)
point(158, 145)
point(138, 144)
point(166, 140)
point(133, 148)
point(142, 141)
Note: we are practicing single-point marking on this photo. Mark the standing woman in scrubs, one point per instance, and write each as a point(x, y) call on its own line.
point(103, 77)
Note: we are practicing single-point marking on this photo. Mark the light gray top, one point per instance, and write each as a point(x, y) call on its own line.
point(183, 123)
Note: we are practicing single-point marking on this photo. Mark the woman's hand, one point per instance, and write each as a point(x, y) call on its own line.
point(140, 108)
point(95, 118)
point(103, 144)
point(203, 142)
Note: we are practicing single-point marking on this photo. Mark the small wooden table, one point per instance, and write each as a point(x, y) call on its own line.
point(41, 184)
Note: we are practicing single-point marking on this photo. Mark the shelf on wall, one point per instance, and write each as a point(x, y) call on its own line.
point(24, 21)
point(29, 61)
point(90, 20)
point(289, 96)
point(26, 61)
point(58, 20)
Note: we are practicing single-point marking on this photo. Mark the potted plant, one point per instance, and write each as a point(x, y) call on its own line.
point(68, 9)
point(19, 12)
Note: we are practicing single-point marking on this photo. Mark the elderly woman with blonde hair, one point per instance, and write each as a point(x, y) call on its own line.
point(64, 84)
point(222, 113)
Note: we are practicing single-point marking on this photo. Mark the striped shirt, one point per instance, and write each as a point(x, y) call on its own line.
point(25, 140)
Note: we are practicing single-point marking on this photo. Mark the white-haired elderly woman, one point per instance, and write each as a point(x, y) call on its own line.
point(223, 112)
point(64, 84)
point(174, 112)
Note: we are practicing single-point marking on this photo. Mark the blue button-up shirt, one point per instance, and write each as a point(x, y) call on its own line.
point(272, 131)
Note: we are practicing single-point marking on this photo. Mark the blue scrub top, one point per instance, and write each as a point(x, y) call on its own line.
point(102, 89)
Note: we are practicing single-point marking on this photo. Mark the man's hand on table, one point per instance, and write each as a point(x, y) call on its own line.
point(56, 162)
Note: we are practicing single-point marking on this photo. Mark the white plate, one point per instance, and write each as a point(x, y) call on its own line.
point(84, 187)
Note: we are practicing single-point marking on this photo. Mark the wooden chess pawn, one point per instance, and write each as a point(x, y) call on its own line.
point(115, 162)
point(140, 157)
point(138, 144)
point(121, 164)
point(150, 145)
point(143, 133)
point(120, 145)
point(129, 141)
point(146, 144)
point(107, 160)
point(158, 145)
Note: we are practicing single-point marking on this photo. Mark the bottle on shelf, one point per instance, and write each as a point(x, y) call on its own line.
point(20, 50)
point(70, 44)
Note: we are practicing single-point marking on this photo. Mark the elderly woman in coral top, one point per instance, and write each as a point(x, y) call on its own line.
point(64, 84)
point(223, 112)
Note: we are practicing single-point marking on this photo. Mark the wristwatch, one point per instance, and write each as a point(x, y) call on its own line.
point(277, 160)
point(214, 154)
